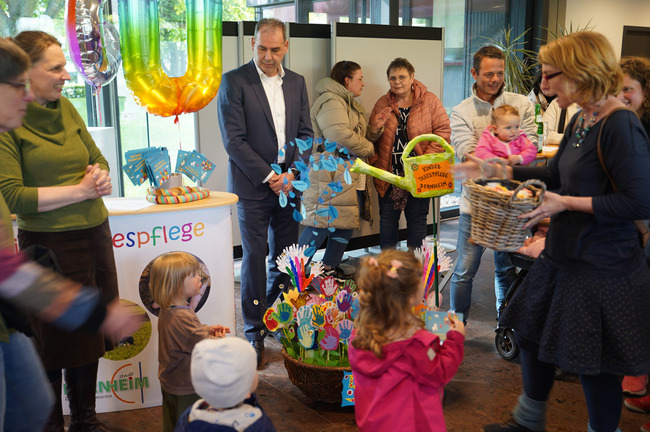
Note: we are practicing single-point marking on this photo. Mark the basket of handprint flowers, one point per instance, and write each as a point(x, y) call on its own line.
point(496, 205)
point(315, 319)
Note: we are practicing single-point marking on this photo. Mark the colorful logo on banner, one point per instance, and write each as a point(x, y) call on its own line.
point(140, 43)
point(159, 235)
point(127, 384)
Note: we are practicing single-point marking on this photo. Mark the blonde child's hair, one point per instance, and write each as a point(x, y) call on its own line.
point(168, 273)
point(502, 111)
point(386, 298)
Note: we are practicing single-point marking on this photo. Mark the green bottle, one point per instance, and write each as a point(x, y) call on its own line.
point(540, 127)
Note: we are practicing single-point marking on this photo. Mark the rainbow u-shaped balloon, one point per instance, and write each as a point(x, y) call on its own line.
point(140, 43)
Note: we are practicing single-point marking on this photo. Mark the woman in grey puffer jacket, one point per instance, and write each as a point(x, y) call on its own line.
point(337, 117)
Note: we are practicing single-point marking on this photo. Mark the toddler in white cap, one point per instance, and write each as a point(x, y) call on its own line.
point(224, 374)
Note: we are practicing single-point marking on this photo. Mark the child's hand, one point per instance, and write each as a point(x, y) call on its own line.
point(455, 324)
point(514, 160)
point(218, 331)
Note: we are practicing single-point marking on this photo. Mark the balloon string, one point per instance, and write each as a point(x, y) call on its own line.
point(99, 108)
point(180, 143)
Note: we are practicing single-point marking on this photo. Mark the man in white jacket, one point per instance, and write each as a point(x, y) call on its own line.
point(468, 120)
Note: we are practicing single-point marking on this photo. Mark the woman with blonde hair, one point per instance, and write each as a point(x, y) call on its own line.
point(578, 306)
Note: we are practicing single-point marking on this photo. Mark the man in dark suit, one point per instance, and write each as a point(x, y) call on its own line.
point(262, 106)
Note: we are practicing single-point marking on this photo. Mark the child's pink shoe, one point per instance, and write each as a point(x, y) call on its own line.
point(635, 385)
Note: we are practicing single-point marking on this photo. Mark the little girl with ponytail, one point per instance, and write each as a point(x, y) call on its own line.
point(399, 368)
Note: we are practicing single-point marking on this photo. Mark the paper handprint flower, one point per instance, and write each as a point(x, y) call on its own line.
point(270, 322)
point(331, 339)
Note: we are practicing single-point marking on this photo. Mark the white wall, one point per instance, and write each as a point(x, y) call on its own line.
point(608, 17)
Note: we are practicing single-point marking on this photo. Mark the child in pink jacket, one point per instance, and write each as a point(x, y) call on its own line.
point(503, 139)
point(399, 368)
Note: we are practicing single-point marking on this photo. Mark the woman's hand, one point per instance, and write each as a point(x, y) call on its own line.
point(87, 186)
point(120, 322)
point(471, 168)
point(553, 204)
point(95, 184)
point(102, 181)
point(379, 120)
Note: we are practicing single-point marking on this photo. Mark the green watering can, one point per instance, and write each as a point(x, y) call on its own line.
point(425, 176)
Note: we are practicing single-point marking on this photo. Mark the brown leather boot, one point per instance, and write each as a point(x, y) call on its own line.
point(81, 382)
point(55, 421)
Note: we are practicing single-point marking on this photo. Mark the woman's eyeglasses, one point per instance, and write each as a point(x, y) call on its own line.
point(19, 86)
point(549, 77)
point(400, 78)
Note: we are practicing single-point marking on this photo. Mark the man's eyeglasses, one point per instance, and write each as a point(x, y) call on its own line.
point(19, 86)
point(400, 78)
point(549, 77)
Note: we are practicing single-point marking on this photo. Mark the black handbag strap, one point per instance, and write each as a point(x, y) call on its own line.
point(599, 148)
point(560, 127)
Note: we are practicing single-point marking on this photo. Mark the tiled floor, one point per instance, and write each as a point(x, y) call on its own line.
point(484, 390)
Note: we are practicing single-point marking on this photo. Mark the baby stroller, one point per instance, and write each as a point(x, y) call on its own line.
point(504, 340)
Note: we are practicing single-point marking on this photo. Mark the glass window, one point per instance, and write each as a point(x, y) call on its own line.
point(330, 11)
point(286, 13)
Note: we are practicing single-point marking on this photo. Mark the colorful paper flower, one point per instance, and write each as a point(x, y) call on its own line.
point(344, 301)
point(304, 314)
point(328, 286)
point(330, 341)
point(284, 313)
point(306, 335)
point(270, 322)
point(345, 330)
point(319, 315)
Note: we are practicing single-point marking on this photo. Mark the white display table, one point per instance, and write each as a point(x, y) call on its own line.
point(202, 228)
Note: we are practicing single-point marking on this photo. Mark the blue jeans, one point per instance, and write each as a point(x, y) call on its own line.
point(26, 397)
point(416, 212)
point(469, 259)
point(335, 248)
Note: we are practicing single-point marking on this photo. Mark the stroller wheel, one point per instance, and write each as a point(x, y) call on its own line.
point(505, 343)
point(559, 372)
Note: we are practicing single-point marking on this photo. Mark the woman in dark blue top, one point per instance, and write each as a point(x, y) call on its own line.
point(577, 307)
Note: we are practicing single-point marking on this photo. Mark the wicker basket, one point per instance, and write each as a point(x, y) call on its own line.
point(319, 383)
point(494, 215)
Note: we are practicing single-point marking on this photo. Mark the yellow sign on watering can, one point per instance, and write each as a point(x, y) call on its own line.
point(426, 176)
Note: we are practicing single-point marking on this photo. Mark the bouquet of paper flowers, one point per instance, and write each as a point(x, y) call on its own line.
point(316, 317)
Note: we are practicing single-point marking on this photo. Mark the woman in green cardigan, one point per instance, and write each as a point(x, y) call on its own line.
point(53, 177)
